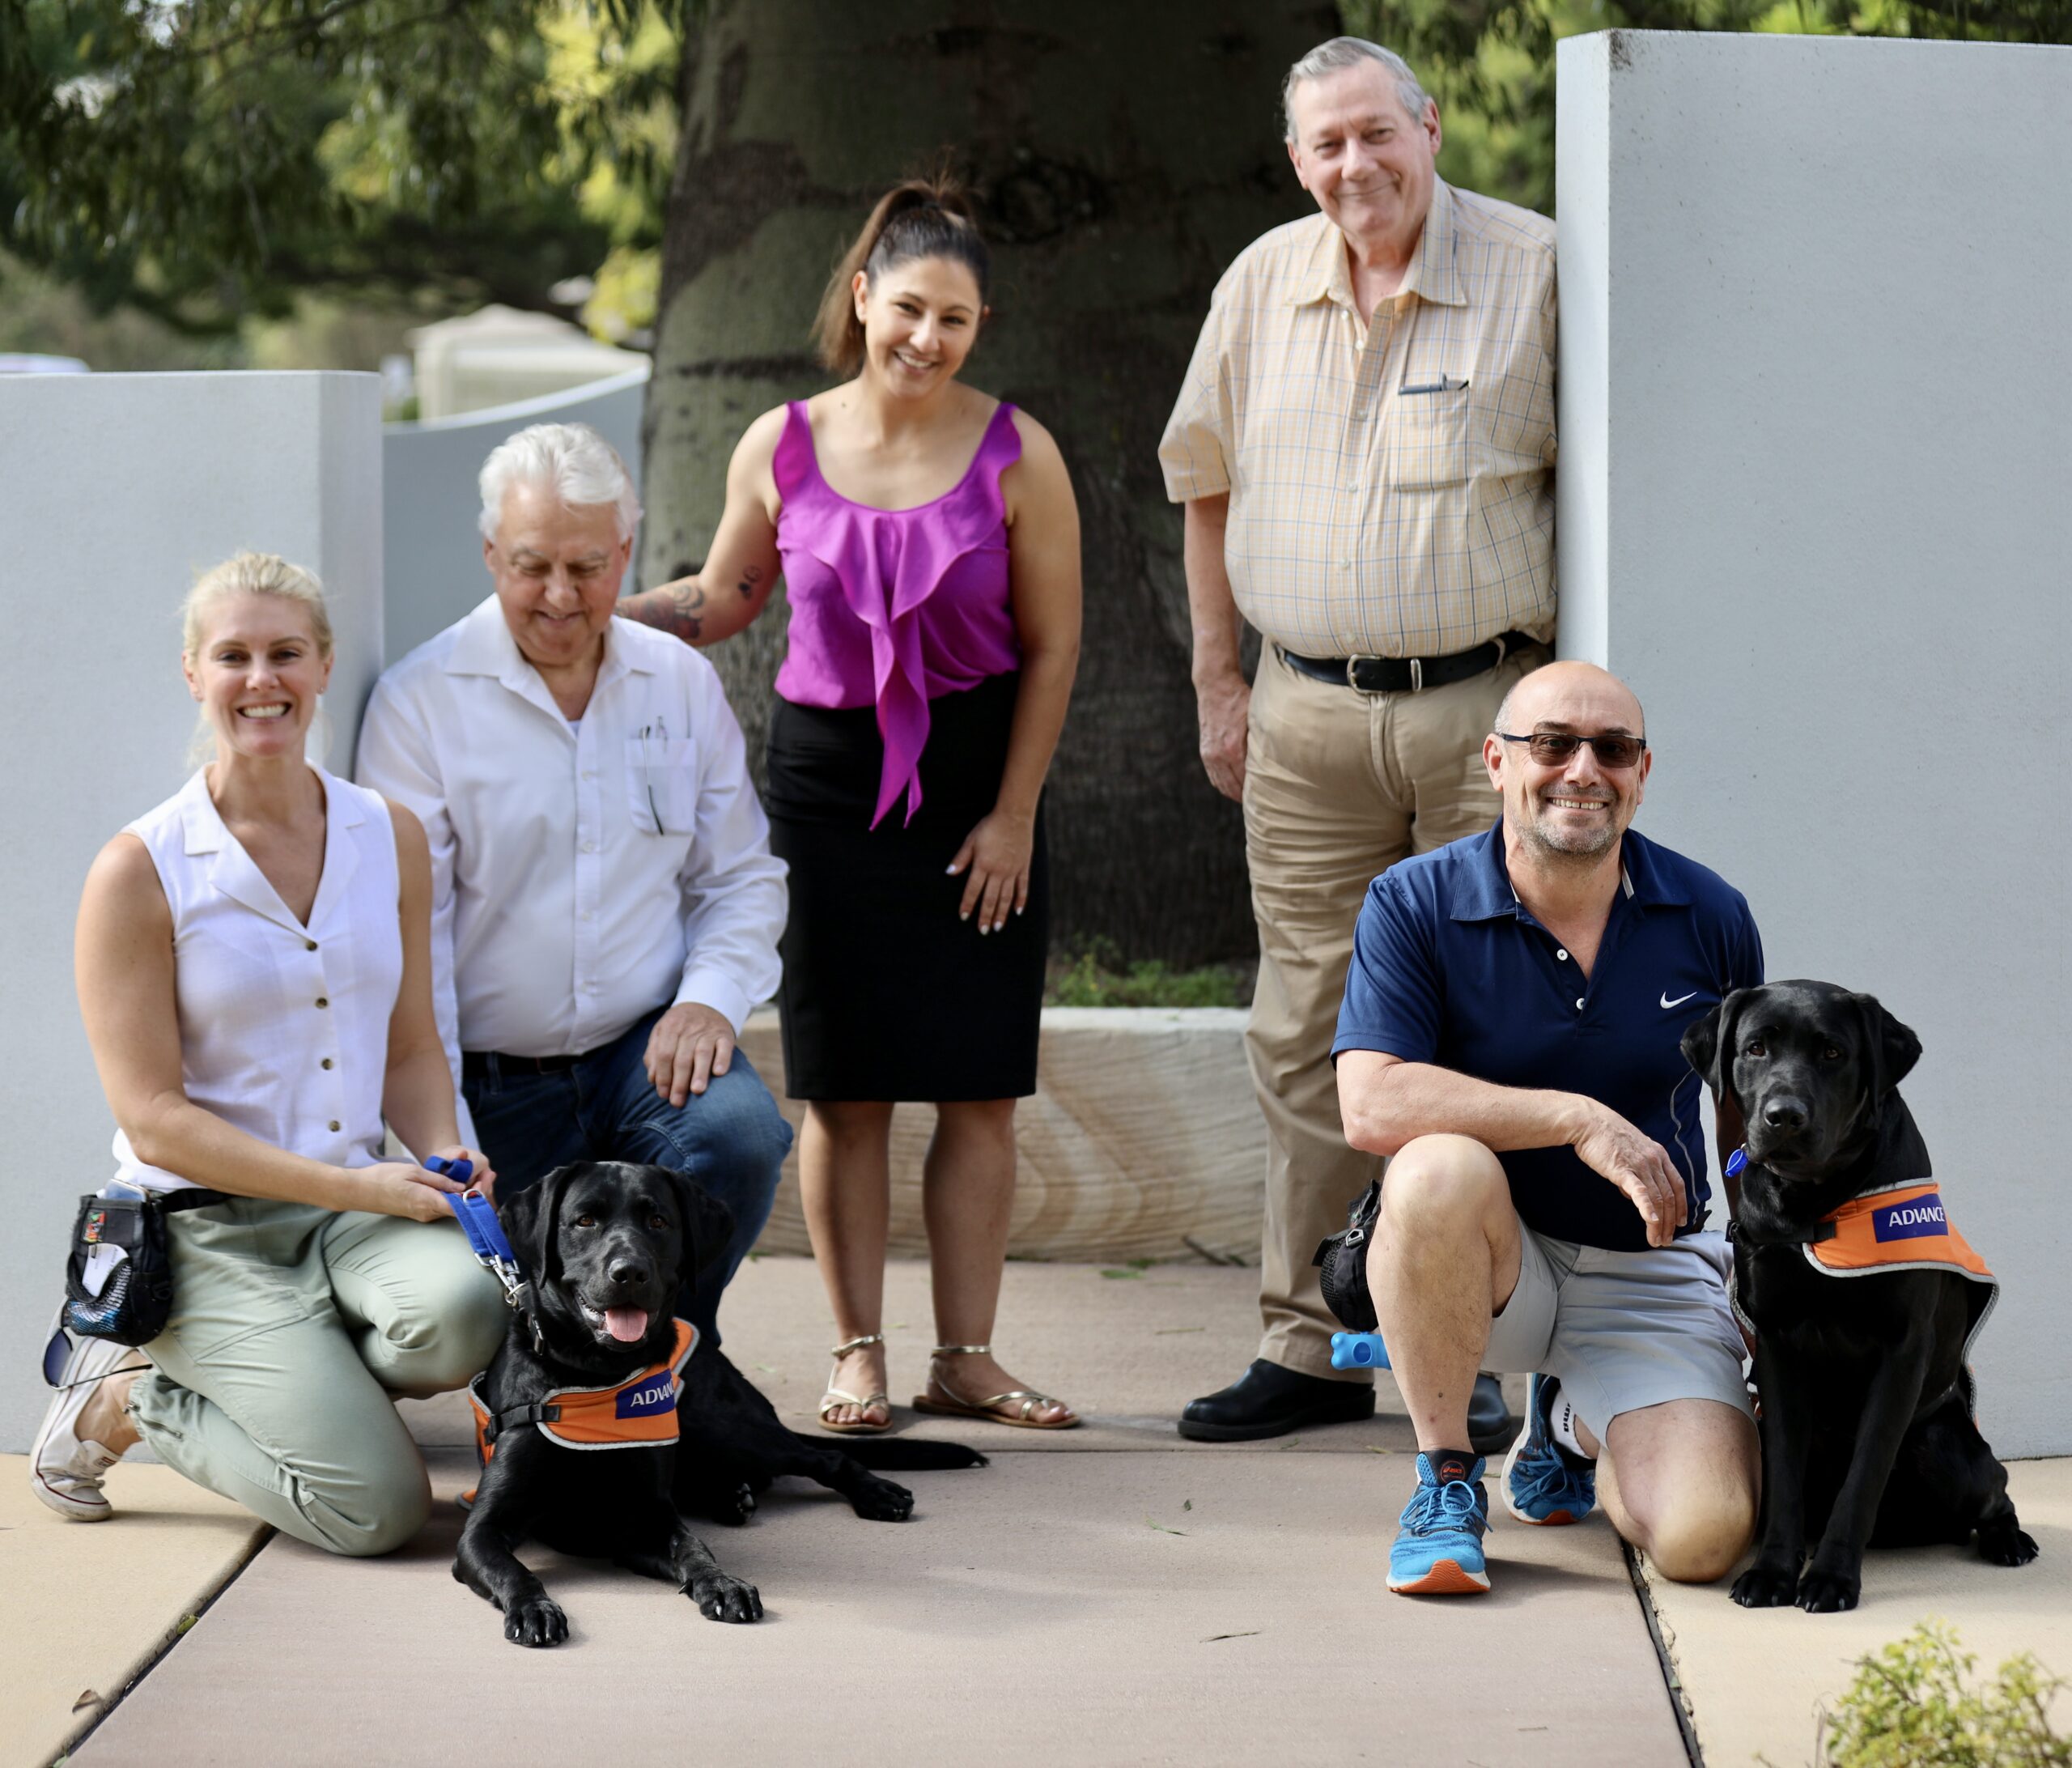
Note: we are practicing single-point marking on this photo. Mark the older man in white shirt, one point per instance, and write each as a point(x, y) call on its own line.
point(605, 905)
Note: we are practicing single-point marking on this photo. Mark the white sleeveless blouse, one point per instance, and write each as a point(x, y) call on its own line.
point(283, 1028)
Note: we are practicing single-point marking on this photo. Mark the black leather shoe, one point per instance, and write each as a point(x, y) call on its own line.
point(1269, 1400)
point(1491, 1426)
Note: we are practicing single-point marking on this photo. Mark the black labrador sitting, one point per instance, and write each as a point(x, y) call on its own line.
point(1844, 1262)
point(581, 1452)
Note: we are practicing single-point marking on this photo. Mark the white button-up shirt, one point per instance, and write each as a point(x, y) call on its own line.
point(584, 873)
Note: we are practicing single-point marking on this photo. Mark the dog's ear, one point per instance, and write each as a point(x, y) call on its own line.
point(530, 1219)
point(708, 1225)
point(1892, 1047)
point(1708, 1046)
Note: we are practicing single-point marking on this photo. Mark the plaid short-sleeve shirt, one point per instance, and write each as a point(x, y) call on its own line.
point(1391, 484)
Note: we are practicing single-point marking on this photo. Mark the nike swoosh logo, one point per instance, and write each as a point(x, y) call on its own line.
point(1678, 1001)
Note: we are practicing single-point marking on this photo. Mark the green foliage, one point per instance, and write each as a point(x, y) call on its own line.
point(1909, 1707)
point(205, 159)
point(1097, 977)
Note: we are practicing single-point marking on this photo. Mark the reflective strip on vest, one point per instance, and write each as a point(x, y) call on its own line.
point(638, 1413)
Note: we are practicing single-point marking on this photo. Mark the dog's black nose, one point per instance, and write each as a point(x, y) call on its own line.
point(626, 1271)
point(1784, 1114)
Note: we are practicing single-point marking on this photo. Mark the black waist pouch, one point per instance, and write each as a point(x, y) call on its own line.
point(136, 1301)
point(1342, 1260)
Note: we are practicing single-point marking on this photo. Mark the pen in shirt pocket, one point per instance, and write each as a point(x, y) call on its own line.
point(1444, 384)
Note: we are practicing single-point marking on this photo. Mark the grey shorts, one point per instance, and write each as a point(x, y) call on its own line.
point(1623, 1330)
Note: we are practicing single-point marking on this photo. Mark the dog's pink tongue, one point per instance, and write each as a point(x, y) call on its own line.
point(628, 1325)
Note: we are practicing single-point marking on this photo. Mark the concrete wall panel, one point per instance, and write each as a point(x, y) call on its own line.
point(1816, 423)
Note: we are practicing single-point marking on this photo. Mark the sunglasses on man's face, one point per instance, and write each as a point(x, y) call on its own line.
point(1553, 748)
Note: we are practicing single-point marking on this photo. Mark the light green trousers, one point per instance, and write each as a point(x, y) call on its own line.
point(293, 1328)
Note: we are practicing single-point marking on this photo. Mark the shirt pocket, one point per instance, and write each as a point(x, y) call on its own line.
point(1430, 443)
point(661, 784)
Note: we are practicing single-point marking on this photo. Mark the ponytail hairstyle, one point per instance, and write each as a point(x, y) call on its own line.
point(922, 218)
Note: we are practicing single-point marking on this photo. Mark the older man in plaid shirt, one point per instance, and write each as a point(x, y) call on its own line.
point(1365, 446)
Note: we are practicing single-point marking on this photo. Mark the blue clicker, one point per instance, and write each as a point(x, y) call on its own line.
point(1358, 1350)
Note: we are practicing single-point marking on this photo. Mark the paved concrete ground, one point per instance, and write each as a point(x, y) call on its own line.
point(1109, 1594)
point(1755, 1679)
point(87, 1607)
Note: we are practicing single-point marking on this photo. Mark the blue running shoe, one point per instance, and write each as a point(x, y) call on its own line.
point(1438, 1547)
point(1541, 1485)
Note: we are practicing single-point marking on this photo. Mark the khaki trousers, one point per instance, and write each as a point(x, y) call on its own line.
point(1338, 786)
point(294, 1329)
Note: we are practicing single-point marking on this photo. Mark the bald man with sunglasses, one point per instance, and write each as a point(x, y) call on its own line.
point(1509, 1039)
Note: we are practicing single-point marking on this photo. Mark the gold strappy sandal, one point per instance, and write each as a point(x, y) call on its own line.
point(837, 1396)
point(1016, 1408)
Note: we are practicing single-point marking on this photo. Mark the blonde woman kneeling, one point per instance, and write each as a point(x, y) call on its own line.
point(254, 960)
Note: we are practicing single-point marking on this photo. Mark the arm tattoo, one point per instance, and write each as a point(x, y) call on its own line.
point(750, 579)
point(688, 623)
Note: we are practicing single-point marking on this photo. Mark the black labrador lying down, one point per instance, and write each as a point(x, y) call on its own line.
point(1863, 1298)
point(590, 1447)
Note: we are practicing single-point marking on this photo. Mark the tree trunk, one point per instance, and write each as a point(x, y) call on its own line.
point(1121, 155)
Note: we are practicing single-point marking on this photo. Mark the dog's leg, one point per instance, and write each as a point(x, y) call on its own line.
point(874, 1499)
point(486, 1563)
point(1964, 1461)
point(1835, 1577)
point(1772, 1581)
point(694, 1570)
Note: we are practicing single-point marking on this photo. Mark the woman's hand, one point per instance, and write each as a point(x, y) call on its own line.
point(399, 1188)
point(996, 854)
point(483, 1178)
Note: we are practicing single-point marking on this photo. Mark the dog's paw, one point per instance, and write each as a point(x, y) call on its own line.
point(721, 1598)
point(2006, 1544)
point(1828, 1593)
point(1767, 1587)
point(535, 1620)
point(736, 1507)
point(882, 1501)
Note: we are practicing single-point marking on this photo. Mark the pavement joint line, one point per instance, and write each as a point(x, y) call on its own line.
point(159, 1653)
point(1672, 1682)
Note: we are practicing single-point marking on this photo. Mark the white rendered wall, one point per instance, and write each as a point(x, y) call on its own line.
point(115, 489)
point(1816, 451)
point(433, 552)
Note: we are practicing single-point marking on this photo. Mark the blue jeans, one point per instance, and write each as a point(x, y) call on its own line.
point(730, 1138)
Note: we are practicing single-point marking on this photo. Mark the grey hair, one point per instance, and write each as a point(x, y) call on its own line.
point(573, 461)
point(1342, 52)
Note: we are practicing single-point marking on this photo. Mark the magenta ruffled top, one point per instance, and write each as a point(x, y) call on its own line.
point(891, 608)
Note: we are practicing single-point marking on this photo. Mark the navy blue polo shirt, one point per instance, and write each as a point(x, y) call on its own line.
point(1449, 967)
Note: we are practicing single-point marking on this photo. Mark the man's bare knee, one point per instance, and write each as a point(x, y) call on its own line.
point(1700, 1544)
point(1435, 1183)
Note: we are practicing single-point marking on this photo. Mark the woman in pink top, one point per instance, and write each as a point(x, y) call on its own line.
point(929, 544)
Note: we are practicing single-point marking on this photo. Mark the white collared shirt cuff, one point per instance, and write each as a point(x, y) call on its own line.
point(722, 995)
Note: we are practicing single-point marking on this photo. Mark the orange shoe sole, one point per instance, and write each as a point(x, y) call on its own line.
point(1445, 1578)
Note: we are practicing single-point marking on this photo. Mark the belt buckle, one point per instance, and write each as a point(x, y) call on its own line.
point(1352, 675)
point(1417, 675)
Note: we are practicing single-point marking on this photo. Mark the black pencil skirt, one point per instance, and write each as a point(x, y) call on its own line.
point(886, 994)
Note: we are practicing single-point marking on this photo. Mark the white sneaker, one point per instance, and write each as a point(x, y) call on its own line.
point(66, 1470)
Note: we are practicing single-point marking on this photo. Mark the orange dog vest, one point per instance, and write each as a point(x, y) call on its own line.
point(639, 1413)
point(1904, 1228)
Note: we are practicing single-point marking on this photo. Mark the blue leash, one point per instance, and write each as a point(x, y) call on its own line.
point(477, 1219)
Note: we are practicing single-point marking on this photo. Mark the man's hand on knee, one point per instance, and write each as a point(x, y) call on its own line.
point(690, 1046)
point(1636, 1163)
